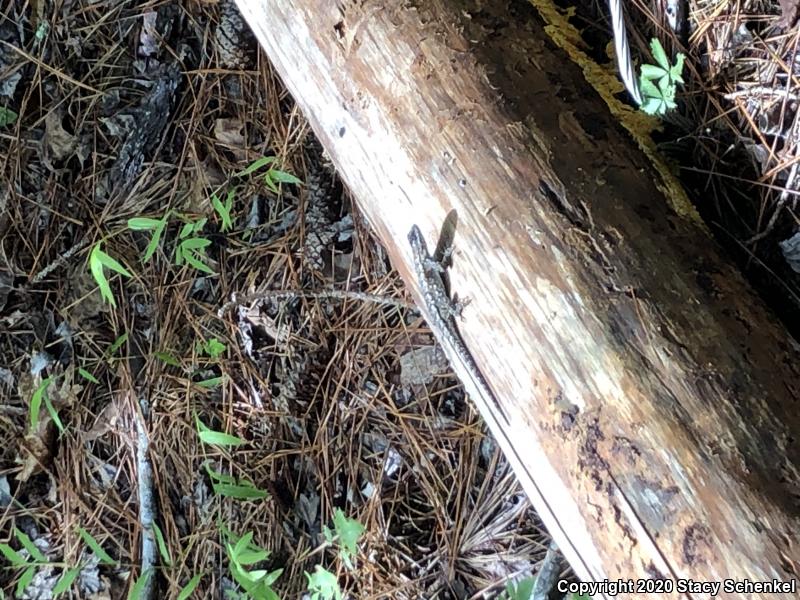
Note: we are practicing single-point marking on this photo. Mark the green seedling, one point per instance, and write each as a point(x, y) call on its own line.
point(87, 375)
point(38, 560)
point(192, 248)
point(658, 83)
point(138, 588)
point(157, 226)
point(187, 590)
point(213, 347)
point(7, 116)
point(98, 261)
point(273, 176)
point(323, 585)
point(347, 533)
point(228, 486)
point(224, 210)
point(215, 438)
point(162, 544)
point(243, 554)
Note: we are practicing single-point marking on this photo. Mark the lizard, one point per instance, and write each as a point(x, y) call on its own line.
point(440, 309)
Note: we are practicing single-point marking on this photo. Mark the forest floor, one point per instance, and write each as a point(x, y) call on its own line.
point(209, 368)
point(220, 411)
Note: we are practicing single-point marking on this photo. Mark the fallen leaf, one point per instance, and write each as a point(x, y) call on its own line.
point(60, 143)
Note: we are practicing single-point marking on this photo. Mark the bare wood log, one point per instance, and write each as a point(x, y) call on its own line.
point(653, 400)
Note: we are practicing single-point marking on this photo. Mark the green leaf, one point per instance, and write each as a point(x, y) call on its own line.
point(96, 267)
point(653, 106)
point(152, 245)
point(252, 556)
point(198, 225)
point(195, 243)
point(96, 547)
point(138, 587)
point(676, 70)
point(195, 262)
point(186, 230)
point(256, 165)
point(210, 383)
point(25, 579)
point(243, 491)
point(215, 438)
point(652, 71)
point(284, 177)
point(143, 223)
point(666, 87)
point(270, 183)
point(520, 590)
point(14, 557)
point(167, 358)
point(324, 583)
point(28, 544)
point(86, 375)
point(230, 487)
point(272, 577)
point(117, 344)
point(659, 54)
point(98, 260)
point(111, 263)
point(36, 402)
point(53, 414)
point(187, 590)
point(65, 582)
point(162, 544)
point(224, 210)
point(213, 347)
point(7, 116)
point(348, 530)
point(649, 89)
point(219, 477)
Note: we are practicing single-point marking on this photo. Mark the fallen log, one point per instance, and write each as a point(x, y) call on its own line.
point(651, 399)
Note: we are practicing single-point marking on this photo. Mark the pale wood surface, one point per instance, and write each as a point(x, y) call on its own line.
point(653, 401)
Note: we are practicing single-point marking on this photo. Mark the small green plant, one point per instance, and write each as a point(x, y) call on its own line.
point(213, 347)
point(347, 533)
point(229, 486)
point(187, 590)
point(323, 585)
point(658, 83)
point(215, 438)
point(243, 554)
point(224, 210)
point(519, 590)
point(157, 226)
point(38, 560)
point(7, 116)
point(40, 396)
point(273, 176)
point(87, 375)
point(192, 247)
point(163, 550)
point(98, 261)
point(116, 345)
point(138, 587)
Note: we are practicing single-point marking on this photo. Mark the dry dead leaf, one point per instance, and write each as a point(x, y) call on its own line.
point(35, 447)
point(60, 143)
point(230, 133)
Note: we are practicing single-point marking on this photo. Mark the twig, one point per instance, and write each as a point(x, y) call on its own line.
point(320, 294)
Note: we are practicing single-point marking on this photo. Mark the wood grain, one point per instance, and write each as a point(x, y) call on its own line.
point(653, 399)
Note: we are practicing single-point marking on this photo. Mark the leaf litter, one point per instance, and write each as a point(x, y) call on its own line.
point(148, 113)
